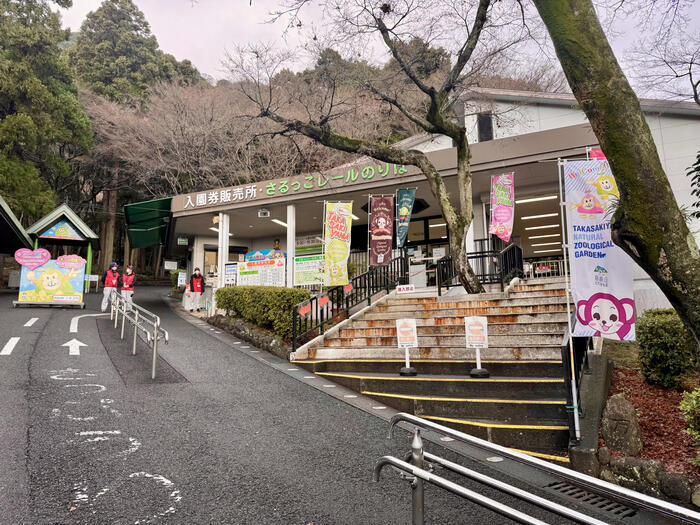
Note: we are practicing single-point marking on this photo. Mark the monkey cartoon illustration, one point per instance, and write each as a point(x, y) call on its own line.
point(589, 206)
point(51, 282)
point(612, 318)
point(606, 187)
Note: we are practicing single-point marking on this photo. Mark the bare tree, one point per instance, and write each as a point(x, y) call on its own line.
point(425, 99)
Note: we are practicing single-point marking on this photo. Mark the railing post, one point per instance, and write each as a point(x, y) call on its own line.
point(155, 351)
point(294, 328)
point(417, 491)
point(369, 287)
point(136, 327)
point(116, 313)
point(438, 277)
point(123, 321)
point(566, 364)
point(320, 313)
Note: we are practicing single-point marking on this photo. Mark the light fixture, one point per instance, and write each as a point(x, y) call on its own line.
point(544, 215)
point(546, 244)
point(542, 227)
point(444, 237)
point(547, 251)
point(355, 217)
point(545, 236)
point(217, 231)
point(437, 225)
point(277, 221)
point(536, 199)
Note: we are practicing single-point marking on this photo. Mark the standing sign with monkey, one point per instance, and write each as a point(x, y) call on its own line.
point(601, 280)
point(48, 281)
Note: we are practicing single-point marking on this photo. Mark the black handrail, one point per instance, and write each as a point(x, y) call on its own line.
point(490, 267)
point(310, 317)
point(580, 345)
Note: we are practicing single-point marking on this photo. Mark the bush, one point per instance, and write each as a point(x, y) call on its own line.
point(265, 306)
point(690, 406)
point(173, 278)
point(667, 349)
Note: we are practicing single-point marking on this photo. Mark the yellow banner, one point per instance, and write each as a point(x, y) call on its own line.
point(337, 226)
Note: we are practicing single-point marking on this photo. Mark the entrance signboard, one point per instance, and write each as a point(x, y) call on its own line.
point(267, 272)
point(47, 281)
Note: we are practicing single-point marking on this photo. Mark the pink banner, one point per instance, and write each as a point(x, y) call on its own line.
point(502, 205)
point(32, 259)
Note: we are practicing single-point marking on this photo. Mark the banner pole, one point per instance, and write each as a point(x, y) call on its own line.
point(569, 298)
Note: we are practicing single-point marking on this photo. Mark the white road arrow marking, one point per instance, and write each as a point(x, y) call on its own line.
point(74, 346)
point(9, 346)
point(31, 321)
point(74, 321)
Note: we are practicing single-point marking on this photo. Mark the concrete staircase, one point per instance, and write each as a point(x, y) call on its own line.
point(522, 404)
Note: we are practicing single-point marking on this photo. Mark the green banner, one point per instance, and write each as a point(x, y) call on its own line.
point(404, 203)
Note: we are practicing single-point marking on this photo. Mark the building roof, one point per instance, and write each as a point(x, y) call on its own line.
point(12, 235)
point(649, 105)
point(60, 213)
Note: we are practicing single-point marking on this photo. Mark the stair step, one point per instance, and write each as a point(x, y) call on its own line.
point(510, 410)
point(507, 368)
point(545, 437)
point(517, 340)
point(383, 321)
point(383, 312)
point(387, 352)
point(455, 329)
point(450, 386)
point(483, 303)
point(489, 296)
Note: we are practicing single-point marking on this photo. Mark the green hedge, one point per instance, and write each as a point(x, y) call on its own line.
point(690, 406)
point(265, 306)
point(667, 349)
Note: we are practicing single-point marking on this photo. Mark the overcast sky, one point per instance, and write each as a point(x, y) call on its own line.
point(203, 31)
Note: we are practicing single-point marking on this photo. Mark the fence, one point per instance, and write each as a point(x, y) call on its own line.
point(490, 267)
point(141, 320)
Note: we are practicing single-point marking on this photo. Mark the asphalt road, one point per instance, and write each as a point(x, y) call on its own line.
point(222, 436)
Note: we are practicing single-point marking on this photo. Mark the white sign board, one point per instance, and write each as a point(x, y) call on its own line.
point(170, 265)
point(405, 288)
point(439, 252)
point(268, 272)
point(230, 274)
point(92, 278)
point(181, 278)
point(308, 270)
point(476, 331)
point(406, 334)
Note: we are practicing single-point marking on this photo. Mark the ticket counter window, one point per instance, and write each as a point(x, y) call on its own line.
point(210, 262)
point(437, 229)
point(416, 231)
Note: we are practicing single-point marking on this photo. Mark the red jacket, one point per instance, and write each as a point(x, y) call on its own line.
point(110, 279)
point(128, 282)
point(197, 283)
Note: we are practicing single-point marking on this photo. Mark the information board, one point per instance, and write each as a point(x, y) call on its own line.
point(231, 274)
point(308, 270)
point(268, 272)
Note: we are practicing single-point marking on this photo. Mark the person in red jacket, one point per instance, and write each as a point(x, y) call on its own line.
point(196, 289)
point(128, 281)
point(110, 282)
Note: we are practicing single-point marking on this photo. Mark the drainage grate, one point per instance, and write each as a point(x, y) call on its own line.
point(599, 502)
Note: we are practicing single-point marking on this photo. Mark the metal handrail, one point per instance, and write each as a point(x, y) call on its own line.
point(570, 476)
point(337, 301)
point(141, 319)
point(574, 348)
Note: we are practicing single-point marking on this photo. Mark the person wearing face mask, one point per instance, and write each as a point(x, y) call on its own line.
point(128, 281)
point(110, 282)
point(196, 289)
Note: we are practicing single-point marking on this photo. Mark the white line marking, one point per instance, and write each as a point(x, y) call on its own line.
point(349, 396)
point(100, 388)
point(74, 322)
point(253, 351)
point(9, 346)
point(245, 347)
point(73, 346)
point(31, 321)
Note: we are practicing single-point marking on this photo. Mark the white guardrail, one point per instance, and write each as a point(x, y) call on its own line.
point(142, 320)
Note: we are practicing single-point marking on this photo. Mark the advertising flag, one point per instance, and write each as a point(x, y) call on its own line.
point(336, 233)
point(502, 205)
point(601, 280)
point(404, 200)
point(381, 229)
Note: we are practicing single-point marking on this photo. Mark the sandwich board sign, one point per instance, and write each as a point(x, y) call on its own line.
point(477, 337)
point(407, 337)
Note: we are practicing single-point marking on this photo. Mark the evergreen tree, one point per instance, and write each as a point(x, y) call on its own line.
point(117, 57)
point(41, 122)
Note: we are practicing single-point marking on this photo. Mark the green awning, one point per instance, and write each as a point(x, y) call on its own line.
point(147, 222)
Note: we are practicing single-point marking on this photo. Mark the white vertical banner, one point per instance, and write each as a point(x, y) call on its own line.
point(601, 278)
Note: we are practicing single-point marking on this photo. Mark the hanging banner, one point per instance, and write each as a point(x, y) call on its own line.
point(381, 229)
point(601, 280)
point(48, 281)
point(404, 204)
point(336, 237)
point(502, 205)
